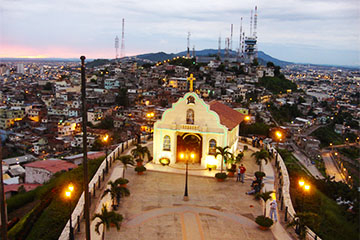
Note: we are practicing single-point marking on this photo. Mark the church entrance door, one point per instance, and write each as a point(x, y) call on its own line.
point(189, 143)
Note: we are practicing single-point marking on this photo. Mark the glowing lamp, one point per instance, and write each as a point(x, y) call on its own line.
point(301, 183)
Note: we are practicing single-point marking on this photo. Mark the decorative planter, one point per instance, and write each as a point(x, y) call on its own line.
point(220, 179)
point(140, 173)
point(263, 228)
point(230, 174)
point(139, 164)
point(123, 185)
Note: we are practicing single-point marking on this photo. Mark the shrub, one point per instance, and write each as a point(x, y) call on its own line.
point(259, 175)
point(246, 147)
point(221, 175)
point(264, 221)
point(140, 169)
point(21, 199)
point(231, 170)
point(122, 181)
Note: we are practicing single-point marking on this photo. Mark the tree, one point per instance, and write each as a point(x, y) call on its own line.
point(116, 191)
point(140, 152)
point(264, 196)
point(106, 219)
point(224, 154)
point(270, 64)
point(261, 155)
point(126, 160)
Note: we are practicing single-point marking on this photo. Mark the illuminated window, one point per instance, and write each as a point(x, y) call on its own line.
point(190, 116)
point(212, 147)
point(167, 143)
point(190, 99)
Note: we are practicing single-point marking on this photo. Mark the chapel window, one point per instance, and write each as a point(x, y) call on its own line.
point(167, 143)
point(212, 147)
point(190, 99)
point(190, 116)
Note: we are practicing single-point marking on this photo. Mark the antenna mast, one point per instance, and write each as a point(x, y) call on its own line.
point(188, 46)
point(255, 22)
point(239, 50)
point(219, 47)
point(231, 38)
point(122, 54)
point(116, 47)
point(251, 20)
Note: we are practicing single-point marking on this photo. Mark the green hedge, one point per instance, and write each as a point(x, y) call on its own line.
point(57, 213)
point(19, 200)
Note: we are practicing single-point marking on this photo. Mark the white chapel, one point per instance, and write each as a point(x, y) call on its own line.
point(194, 126)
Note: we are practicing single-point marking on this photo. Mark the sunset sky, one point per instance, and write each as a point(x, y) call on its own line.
point(308, 31)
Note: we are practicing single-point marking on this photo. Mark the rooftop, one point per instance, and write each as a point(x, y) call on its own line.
point(228, 116)
point(52, 165)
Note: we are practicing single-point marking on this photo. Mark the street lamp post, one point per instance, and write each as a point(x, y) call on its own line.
point(68, 195)
point(305, 188)
point(186, 156)
point(278, 135)
point(105, 139)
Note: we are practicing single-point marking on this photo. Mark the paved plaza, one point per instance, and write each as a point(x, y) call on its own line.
point(216, 210)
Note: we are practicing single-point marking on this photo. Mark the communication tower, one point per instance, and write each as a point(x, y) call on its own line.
point(116, 47)
point(123, 39)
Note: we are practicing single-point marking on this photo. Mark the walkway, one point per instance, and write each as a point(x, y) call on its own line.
point(331, 169)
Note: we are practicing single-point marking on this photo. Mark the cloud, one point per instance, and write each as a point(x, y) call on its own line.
point(157, 25)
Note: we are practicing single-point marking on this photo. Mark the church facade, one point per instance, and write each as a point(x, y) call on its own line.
point(192, 129)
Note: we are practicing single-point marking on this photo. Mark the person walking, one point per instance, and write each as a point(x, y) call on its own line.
point(242, 172)
point(273, 206)
point(238, 175)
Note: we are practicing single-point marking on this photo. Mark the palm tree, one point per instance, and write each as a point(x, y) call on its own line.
point(225, 154)
point(261, 155)
point(106, 219)
point(239, 157)
point(303, 219)
point(114, 191)
point(140, 152)
point(126, 160)
point(264, 196)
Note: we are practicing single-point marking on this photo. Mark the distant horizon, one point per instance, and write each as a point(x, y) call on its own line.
point(76, 58)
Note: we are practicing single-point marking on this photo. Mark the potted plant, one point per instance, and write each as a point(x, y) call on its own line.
point(164, 161)
point(139, 162)
point(220, 176)
point(264, 222)
point(231, 172)
point(259, 175)
point(140, 169)
point(122, 182)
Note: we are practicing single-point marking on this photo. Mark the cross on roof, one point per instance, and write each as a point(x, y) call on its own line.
point(191, 79)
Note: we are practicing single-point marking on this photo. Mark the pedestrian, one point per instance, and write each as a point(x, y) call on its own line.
point(238, 175)
point(242, 172)
point(273, 206)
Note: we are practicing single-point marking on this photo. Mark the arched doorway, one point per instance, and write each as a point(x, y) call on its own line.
point(189, 143)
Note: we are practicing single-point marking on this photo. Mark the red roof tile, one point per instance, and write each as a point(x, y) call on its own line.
point(15, 187)
point(228, 116)
point(53, 166)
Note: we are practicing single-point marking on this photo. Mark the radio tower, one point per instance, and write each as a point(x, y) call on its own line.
point(239, 50)
point(255, 31)
point(251, 19)
point(227, 46)
point(219, 48)
point(231, 38)
point(188, 46)
point(122, 54)
point(116, 47)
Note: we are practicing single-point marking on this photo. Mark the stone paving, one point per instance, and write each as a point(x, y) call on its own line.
point(156, 210)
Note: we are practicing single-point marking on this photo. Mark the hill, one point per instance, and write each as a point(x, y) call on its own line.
point(161, 56)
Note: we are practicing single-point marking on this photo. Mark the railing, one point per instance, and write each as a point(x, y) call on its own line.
point(284, 194)
point(78, 212)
